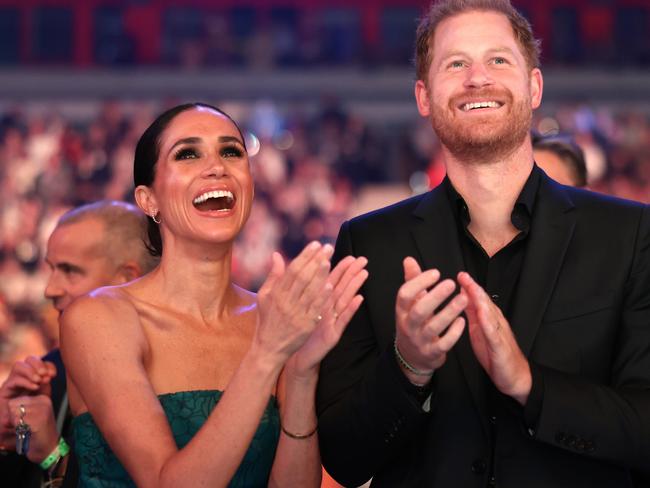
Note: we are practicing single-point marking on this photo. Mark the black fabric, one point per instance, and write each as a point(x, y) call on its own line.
point(498, 275)
point(581, 315)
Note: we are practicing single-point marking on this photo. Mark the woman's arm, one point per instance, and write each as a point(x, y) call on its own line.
point(104, 348)
point(297, 459)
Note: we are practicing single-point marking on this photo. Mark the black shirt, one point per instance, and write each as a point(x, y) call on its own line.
point(499, 276)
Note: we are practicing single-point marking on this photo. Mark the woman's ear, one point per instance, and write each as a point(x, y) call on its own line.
point(146, 200)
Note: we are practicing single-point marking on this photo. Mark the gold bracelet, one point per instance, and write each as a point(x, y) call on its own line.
point(298, 436)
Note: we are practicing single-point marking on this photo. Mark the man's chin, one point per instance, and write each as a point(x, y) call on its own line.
point(482, 142)
point(479, 146)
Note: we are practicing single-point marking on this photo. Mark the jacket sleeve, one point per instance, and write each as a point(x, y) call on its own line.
point(367, 408)
point(609, 422)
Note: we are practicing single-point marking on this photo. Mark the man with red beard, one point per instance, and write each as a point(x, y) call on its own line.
point(504, 339)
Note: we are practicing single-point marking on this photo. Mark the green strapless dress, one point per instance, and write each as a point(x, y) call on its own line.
point(186, 412)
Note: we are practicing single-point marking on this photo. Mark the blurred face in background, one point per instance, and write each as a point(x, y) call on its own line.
point(554, 166)
point(79, 263)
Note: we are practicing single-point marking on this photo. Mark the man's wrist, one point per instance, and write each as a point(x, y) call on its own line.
point(417, 377)
point(522, 390)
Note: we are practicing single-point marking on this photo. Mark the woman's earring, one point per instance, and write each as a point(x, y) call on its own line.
point(153, 217)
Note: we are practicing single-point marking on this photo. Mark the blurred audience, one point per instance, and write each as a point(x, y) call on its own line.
point(308, 170)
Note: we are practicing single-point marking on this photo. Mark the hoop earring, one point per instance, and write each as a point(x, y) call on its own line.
point(153, 217)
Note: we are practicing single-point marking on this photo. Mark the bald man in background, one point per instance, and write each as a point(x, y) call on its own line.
point(98, 244)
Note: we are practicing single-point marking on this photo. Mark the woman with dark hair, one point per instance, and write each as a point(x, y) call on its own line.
point(182, 378)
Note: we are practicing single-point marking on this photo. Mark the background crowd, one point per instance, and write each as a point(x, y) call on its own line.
point(313, 167)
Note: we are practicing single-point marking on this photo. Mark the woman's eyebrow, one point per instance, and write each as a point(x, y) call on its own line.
point(186, 140)
point(230, 139)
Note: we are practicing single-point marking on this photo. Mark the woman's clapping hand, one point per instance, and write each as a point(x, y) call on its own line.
point(303, 308)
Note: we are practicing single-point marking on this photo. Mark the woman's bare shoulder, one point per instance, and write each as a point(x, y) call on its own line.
point(103, 320)
point(106, 304)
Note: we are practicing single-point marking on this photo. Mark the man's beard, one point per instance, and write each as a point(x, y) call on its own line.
point(483, 138)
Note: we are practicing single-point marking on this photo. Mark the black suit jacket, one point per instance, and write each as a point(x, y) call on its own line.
point(581, 314)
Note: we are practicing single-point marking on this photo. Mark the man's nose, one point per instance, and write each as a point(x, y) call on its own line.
point(53, 289)
point(478, 76)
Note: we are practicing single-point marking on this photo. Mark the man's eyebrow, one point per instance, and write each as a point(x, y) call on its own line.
point(458, 53)
point(502, 49)
point(453, 54)
point(63, 265)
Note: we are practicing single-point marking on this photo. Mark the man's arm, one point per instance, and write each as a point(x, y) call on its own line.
point(605, 418)
point(609, 422)
point(368, 408)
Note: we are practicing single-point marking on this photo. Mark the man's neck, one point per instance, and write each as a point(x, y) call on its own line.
point(490, 190)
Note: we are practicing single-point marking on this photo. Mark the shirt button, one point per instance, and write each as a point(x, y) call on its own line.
point(492, 481)
point(495, 298)
point(479, 466)
point(493, 419)
point(531, 432)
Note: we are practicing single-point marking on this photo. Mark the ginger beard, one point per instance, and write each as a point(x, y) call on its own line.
point(481, 138)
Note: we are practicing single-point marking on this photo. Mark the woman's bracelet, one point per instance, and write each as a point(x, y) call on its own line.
point(298, 436)
point(61, 450)
point(402, 362)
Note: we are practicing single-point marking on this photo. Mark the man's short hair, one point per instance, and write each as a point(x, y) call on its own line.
point(125, 231)
point(567, 150)
point(443, 9)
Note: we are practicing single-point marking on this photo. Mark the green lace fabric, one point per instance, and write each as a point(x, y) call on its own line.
point(186, 412)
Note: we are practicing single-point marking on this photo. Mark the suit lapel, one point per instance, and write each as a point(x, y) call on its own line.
point(551, 231)
point(435, 234)
point(436, 237)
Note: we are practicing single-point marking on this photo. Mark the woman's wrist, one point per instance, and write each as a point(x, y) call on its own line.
point(303, 377)
point(264, 362)
point(299, 436)
point(59, 451)
point(43, 445)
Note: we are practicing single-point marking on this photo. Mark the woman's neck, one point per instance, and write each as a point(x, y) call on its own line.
point(195, 278)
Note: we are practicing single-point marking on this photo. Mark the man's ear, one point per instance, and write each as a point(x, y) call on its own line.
point(536, 88)
point(146, 200)
point(422, 98)
point(128, 271)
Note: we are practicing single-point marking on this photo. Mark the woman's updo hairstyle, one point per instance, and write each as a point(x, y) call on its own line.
point(146, 155)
